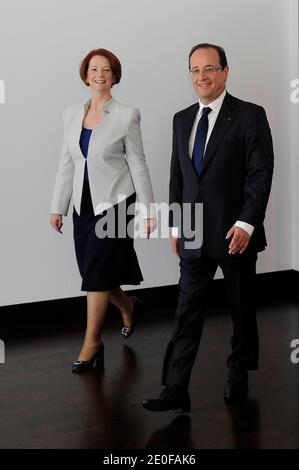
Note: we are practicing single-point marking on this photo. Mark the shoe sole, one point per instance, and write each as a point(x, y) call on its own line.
point(98, 364)
point(181, 410)
point(185, 409)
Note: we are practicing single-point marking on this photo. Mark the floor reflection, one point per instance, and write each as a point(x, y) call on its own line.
point(177, 435)
point(111, 405)
point(245, 423)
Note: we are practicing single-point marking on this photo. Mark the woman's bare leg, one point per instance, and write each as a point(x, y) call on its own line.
point(124, 303)
point(97, 305)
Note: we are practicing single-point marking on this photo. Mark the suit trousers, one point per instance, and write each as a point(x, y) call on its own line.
point(239, 273)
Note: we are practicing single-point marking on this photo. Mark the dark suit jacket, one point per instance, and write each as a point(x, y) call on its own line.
point(236, 176)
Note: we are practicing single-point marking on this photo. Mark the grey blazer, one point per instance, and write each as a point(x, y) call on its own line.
point(116, 162)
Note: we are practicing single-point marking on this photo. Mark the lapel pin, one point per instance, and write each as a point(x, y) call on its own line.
point(229, 119)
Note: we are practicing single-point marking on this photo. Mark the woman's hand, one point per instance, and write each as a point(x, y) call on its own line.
point(149, 226)
point(56, 222)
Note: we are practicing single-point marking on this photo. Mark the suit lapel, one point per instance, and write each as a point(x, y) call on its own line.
point(223, 122)
point(76, 128)
point(188, 122)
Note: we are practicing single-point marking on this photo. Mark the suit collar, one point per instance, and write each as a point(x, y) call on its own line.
point(190, 115)
point(107, 106)
point(79, 118)
point(223, 122)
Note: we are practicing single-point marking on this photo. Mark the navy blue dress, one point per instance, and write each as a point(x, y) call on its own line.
point(104, 263)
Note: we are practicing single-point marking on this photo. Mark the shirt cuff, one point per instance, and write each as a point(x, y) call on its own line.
point(245, 226)
point(174, 231)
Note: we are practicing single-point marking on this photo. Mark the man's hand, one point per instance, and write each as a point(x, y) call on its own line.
point(149, 226)
point(56, 222)
point(175, 244)
point(239, 241)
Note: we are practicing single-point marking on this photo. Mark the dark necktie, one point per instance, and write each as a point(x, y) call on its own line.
point(200, 140)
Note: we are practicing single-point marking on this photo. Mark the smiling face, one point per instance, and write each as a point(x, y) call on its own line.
point(207, 85)
point(100, 76)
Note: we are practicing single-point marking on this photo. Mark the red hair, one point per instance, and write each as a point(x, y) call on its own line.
point(113, 61)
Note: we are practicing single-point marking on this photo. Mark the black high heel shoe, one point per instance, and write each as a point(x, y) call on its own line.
point(127, 331)
point(96, 362)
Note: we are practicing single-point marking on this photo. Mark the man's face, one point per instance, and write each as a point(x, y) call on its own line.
point(207, 84)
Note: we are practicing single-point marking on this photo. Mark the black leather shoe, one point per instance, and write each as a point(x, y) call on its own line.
point(97, 361)
point(172, 398)
point(236, 387)
point(127, 331)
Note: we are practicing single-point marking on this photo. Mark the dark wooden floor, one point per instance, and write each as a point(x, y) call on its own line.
point(44, 406)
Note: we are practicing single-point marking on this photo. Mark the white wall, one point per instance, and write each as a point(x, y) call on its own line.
point(41, 45)
point(294, 53)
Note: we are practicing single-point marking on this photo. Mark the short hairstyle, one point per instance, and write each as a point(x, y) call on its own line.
point(206, 45)
point(113, 61)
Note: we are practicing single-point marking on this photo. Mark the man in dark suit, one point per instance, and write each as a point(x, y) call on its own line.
point(222, 158)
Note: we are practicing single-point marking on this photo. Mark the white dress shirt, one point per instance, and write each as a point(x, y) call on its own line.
point(212, 116)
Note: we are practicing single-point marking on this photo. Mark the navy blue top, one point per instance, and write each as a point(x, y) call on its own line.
point(84, 143)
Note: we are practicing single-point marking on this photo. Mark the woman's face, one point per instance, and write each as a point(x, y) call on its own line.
point(99, 74)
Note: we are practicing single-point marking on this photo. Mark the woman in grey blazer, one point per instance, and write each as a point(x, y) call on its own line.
point(103, 169)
